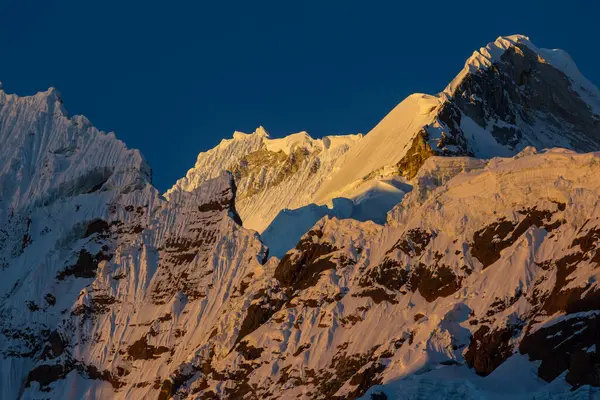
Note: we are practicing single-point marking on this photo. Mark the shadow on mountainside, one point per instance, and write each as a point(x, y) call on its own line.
point(288, 227)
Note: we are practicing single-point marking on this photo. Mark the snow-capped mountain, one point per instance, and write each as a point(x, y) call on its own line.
point(271, 174)
point(103, 279)
point(438, 256)
point(497, 261)
point(509, 95)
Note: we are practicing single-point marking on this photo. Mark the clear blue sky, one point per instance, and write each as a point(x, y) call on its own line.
point(173, 78)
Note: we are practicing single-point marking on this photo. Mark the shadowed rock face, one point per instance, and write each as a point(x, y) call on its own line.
point(416, 156)
point(508, 98)
point(46, 374)
point(489, 241)
point(302, 269)
point(86, 285)
point(511, 99)
point(85, 266)
point(570, 345)
point(433, 282)
point(442, 137)
point(141, 350)
point(390, 273)
point(489, 348)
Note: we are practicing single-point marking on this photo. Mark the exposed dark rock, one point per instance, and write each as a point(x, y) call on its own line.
point(94, 373)
point(360, 371)
point(32, 306)
point(489, 348)
point(258, 314)
point(500, 305)
point(165, 318)
point(302, 269)
point(98, 226)
point(378, 295)
point(119, 276)
point(55, 346)
point(416, 156)
point(85, 266)
point(311, 303)
point(522, 86)
point(587, 241)
point(489, 241)
point(285, 165)
point(486, 248)
point(26, 240)
point(47, 374)
point(141, 350)
point(346, 367)
point(434, 282)
point(314, 167)
point(301, 348)
point(167, 390)
point(450, 363)
point(50, 299)
point(249, 352)
point(243, 286)
point(572, 299)
point(390, 274)
point(211, 206)
point(169, 387)
point(99, 304)
point(366, 378)
point(450, 116)
point(378, 396)
point(350, 320)
point(413, 242)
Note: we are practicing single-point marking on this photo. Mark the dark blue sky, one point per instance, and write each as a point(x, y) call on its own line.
point(173, 78)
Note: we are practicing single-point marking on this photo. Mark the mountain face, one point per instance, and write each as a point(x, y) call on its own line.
point(103, 279)
point(271, 174)
point(447, 254)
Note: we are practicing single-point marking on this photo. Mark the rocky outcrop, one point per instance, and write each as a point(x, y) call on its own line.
point(522, 89)
point(489, 349)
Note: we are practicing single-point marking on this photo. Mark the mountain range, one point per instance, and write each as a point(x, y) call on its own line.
point(449, 253)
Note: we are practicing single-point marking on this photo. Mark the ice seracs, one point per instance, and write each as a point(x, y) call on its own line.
point(48, 155)
point(271, 174)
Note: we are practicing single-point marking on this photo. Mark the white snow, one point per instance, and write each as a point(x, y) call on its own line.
point(384, 145)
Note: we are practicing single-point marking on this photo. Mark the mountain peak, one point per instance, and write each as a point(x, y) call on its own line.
point(291, 142)
point(258, 132)
point(485, 57)
point(494, 52)
point(77, 158)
